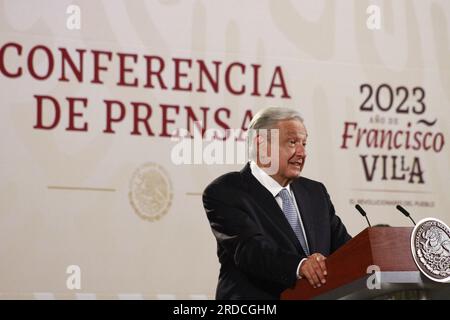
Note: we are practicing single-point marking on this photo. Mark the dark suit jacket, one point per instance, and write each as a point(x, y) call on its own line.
point(257, 248)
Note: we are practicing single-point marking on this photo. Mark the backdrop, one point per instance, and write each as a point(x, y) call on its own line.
point(98, 196)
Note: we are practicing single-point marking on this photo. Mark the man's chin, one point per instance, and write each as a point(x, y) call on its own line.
point(295, 173)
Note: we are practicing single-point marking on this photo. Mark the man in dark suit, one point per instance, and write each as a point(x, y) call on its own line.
point(272, 226)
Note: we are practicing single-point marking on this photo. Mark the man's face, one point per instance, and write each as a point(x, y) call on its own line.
point(292, 154)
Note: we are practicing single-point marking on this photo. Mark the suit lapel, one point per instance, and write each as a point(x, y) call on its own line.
point(306, 212)
point(267, 202)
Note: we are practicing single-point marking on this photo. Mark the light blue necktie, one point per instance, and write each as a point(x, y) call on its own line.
point(291, 215)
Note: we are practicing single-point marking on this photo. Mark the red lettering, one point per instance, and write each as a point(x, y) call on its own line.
point(417, 140)
point(360, 135)
point(346, 135)
point(66, 58)
point(278, 72)
point(426, 144)
point(49, 62)
point(157, 73)
point(221, 124)
point(109, 114)
point(3, 69)
point(397, 145)
point(228, 78)
point(123, 69)
point(144, 120)
point(39, 115)
point(437, 147)
point(73, 114)
point(97, 66)
point(180, 75)
point(255, 91)
point(213, 82)
point(165, 120)
point(191, 117)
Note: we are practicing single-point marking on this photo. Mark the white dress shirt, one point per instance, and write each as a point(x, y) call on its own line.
point(274, 188)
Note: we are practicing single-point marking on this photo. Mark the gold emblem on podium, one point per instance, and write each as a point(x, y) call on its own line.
point(150, 191)
point(430, 246)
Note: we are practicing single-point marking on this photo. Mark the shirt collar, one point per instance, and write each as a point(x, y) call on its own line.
point(267, 181)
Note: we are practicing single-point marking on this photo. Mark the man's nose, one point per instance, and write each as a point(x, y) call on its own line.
point(300, 150)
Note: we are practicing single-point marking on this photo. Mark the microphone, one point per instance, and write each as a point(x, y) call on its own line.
point(406, 213)
point(363, 213)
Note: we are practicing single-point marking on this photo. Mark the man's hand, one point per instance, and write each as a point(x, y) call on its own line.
point(314, 269)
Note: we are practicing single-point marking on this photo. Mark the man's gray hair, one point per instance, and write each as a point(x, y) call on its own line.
point(267, 119)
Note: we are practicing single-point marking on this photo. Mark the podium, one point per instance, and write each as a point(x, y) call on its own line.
point(348, 277)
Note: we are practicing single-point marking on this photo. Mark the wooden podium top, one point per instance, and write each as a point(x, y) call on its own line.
point(386, 247)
